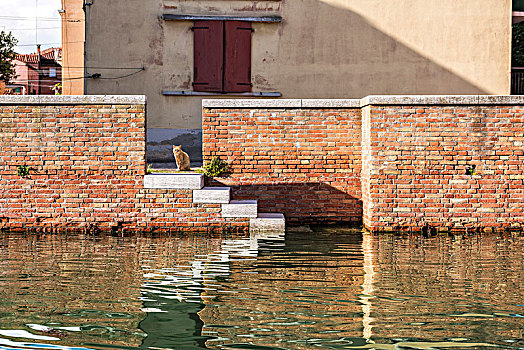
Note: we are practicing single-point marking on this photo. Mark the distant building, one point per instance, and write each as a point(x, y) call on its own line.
point(73, 37)
point(38, 73)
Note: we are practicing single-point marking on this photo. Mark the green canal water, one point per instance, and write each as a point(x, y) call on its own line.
point(335, 288)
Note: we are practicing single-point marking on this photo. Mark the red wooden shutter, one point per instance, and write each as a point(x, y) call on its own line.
point(208, 56)
point(237, 68)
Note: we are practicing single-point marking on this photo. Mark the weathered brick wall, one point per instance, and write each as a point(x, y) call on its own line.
point(86, 157)
point(396, 163)
point(415, 161)
point(303, 161)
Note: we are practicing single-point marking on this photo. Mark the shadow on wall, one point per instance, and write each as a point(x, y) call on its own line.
point(335, 53)
point(355, 59)
point(159, 148)
point(301, 203)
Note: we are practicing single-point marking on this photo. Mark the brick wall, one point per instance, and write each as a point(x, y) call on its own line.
point(396, 162)
point(303, 161)
point(86, 156)
point(416, 159)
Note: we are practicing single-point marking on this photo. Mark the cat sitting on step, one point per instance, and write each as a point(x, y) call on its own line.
point(181, 158)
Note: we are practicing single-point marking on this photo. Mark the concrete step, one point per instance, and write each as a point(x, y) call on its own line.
point(240, 209)
point(268, 223)
point(212, 195)
point(190, 181)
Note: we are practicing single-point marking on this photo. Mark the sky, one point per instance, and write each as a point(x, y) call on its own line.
point(19, 17)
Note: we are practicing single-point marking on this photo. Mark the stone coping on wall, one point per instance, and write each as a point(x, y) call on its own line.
point(410, 100)
point(72, 99)
point(281, 103)
point(366, 101)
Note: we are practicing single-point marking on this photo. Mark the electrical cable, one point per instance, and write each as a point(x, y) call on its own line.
point(67, 42)
point(122, 76)
point(86, 77)
point(82, 68)
point(12, 29)
point(140, 68)
point(21, 18)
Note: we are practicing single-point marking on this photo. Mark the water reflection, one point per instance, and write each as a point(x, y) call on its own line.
point(174, 297)
point(332, 288)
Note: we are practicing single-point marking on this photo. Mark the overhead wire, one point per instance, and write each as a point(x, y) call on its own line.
point(123, 76)
point(41, 28)
point(84, 77)
point(67, 42)
point(36, 22)
point(81, 69)
point(18, 18)
point(21, 18)
point(140, 68)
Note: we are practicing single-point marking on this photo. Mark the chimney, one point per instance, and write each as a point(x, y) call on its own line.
point(39, 71)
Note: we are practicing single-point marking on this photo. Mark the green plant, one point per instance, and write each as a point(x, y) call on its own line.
point(149, 168)
point(23, 170)
point(471, 170)
point(216, 167)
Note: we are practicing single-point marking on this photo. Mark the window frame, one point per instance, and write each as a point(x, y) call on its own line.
point(222, 56)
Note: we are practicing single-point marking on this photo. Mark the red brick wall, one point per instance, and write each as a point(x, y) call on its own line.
point(87, 164)
point(415, 160)
point(304, 163)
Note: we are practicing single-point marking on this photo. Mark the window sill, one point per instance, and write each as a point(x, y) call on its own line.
point(267, 19)
point(199, 93)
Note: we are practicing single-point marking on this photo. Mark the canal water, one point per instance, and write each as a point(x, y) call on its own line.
point(334, 288)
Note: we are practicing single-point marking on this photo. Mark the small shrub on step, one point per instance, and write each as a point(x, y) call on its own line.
point(216, 168)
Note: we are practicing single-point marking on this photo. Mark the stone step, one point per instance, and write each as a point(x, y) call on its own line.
point(189, 181)
point(212, 195)
point(240, 209)
point(268, 223)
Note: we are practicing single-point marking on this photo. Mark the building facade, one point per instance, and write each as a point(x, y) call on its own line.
point(178, 52)
point(38, 73)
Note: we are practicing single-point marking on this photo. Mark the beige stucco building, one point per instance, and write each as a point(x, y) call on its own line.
point(297, 49)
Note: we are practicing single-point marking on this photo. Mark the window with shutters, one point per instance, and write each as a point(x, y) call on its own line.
point(222, 56)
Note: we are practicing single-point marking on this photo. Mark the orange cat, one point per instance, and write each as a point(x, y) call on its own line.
point(181, 158)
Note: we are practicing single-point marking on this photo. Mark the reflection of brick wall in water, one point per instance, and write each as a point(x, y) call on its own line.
point(421, 282)
point(74, 281)
point(80, 280)
point(304, 163)
point(309, 290)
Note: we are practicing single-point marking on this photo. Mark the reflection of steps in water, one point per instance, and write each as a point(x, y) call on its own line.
point(186, 283)
point(172, 297)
